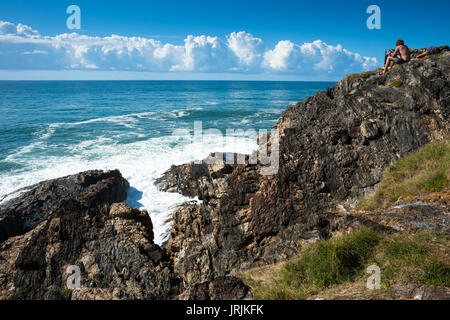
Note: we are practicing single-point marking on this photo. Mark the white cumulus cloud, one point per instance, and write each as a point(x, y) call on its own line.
point(315, 57)
point(248, 49)
point(8, 28)
point(23, 48)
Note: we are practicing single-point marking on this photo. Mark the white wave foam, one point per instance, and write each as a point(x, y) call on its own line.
point(178, 114)
point(12, 195)
point(121, 120)
point(141, 163)
point(23, 150)
point(126, 120)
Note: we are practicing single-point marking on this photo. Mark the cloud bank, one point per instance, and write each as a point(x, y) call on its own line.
point(23, 48)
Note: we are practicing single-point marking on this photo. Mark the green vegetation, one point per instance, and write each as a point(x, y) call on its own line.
point(427, 170)
point(396, 84)
point(321, 265)
point(65, 292)
point(104, 284)
point(421, 258)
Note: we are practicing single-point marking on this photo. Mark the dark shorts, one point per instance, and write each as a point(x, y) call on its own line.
point(400, 61)
point(431, 50)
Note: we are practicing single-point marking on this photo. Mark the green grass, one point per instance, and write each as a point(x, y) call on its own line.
point(65, 292)
point(322, 265)
point(396, 84)
point(421, 258)
point(427, 170)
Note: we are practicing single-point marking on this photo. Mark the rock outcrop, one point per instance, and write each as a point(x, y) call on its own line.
point(412, 214)
point(205, 180)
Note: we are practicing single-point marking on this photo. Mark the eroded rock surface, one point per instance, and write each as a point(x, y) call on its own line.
point(205, 180)
point(412, 214)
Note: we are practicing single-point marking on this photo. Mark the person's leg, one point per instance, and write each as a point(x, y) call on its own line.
point(389, 62)
point(391, 65)
point(386, 65)
point(424, 54)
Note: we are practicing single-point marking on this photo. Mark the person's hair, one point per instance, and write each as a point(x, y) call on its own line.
point(400, 42)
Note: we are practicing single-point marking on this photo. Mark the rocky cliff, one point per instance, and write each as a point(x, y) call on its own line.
point(333, 149)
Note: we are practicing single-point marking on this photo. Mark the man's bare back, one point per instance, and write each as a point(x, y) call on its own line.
point(403, 51)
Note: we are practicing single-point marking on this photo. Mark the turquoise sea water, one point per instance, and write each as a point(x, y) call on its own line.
point(51, 129)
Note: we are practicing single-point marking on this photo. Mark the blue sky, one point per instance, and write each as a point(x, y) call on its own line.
point(291, 40)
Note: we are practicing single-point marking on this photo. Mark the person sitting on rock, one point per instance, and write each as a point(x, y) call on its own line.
point(401, 55)
point(428, 51)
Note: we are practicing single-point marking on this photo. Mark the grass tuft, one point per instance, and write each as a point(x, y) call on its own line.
point(427, 170)
point(65, 292)
point(396, 84)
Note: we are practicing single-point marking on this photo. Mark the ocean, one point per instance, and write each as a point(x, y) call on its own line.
point(50, 129)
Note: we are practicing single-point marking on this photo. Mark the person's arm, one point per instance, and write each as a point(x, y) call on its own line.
point(396, 52)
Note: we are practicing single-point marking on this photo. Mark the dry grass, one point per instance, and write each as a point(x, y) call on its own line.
point(263, 276)
point(358, 76)
point(421, 258)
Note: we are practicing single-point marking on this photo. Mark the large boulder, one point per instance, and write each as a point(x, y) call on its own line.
point(80, 221)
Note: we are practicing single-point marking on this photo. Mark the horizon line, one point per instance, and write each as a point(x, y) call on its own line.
point(97, 75)
point(161, 80)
